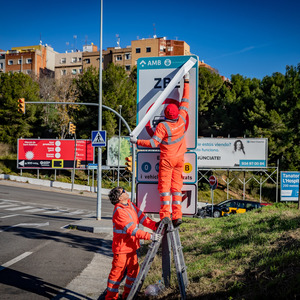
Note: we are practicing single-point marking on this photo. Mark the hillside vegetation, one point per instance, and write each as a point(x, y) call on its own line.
point(255, 255)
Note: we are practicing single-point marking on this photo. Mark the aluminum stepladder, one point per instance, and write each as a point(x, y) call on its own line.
point(166, 229)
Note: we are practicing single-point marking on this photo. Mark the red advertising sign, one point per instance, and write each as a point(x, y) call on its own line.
point(57, 154)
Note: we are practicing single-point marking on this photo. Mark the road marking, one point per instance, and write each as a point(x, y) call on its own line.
point(74, 213)
point(52, 212)
point(34, 210)
point(7, 205)
point(15, 260)
point(33, 225)
point(8, 216)
point(18, 208)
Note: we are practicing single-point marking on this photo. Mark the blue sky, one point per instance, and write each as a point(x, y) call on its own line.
point(252, 38)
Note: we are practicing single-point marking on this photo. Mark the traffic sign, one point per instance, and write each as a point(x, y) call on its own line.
point(99, 138)
point(92, 166)
point(154, 75)
point(213, 181)
point(148, 166)
point(148, 199)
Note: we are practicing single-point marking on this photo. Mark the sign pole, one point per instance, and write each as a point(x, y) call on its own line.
point(99, 170)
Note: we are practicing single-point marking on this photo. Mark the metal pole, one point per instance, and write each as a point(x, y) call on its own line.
point(120, 106)
point(73, 173)
point(99, 168)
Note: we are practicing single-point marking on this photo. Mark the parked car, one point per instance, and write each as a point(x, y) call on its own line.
point(225, 208)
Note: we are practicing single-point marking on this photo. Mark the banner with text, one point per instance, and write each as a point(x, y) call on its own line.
point(232, 153)
point(54, 154)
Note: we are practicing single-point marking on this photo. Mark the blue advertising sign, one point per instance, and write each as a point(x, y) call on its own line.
point(289, 185)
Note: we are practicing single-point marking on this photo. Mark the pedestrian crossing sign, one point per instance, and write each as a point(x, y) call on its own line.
point(99, 138)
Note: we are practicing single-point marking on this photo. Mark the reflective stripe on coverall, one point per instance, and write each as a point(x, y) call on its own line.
point(126, 236)
point(169, 135)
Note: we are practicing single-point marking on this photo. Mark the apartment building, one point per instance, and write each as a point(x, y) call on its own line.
point(157, 47)
point(68, 64)
point(117, 55)
point(2, 61)
point(30, 59)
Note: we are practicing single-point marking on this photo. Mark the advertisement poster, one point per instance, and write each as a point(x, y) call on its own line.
point(232, 153)
point(113, 151)
point(54, 153)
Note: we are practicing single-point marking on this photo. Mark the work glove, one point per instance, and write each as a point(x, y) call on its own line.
point(133, 139)
point(187, 76)
point(155, 237)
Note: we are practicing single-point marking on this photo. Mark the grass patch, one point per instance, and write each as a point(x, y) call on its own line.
point(255, 255)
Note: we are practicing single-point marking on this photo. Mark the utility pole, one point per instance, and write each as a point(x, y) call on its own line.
point(99, 170)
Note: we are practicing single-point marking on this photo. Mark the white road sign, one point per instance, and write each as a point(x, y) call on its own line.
point(149, 202)
point(148, 166)
point(154, 75)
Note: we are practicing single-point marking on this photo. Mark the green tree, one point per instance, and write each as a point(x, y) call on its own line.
point(14, 125)
point(118, 89)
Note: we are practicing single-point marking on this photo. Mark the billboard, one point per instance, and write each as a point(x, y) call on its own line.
point(232, 153)
point(113, 151)
point(289, 186)
point(53, 153)
point(154, 74)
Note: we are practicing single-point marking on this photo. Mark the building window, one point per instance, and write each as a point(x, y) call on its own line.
point(79, 58)
point(137, 50)
point(10, 62)
point(74, 59)
point(80, 71)
point(74, 71)
point(28, 60)
point(127, 68)
point(19, 61)
point(148, 49)
point(63, 72)
point(28, 72)
point(1, 65)
point(87, 61)
point(63, 60)
point(170, 49)
point(118, 57)
point(127, 56)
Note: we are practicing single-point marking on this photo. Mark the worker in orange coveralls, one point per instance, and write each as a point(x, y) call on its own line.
point(126, 236)
point(170, 136)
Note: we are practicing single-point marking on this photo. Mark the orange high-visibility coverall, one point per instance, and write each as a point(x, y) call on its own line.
point(169, 135)
point(126, 236)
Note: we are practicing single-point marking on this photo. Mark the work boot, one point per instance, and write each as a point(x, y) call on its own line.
point(177, 222)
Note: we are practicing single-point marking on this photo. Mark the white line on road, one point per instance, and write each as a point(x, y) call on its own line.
point(19, 208)
point(7, 205)
point(33, 225)
point(15, 260)
point(34, 210)
point(8, 216)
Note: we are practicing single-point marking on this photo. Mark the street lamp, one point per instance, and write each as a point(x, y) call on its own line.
point(120, 106)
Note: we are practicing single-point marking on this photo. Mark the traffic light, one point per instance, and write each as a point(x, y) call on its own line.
point(128, 163)
point(72, 128)
point(21, 105)
point(78, 163)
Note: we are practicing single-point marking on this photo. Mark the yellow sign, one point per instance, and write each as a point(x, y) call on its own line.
point(57, 163)
point(187, 168)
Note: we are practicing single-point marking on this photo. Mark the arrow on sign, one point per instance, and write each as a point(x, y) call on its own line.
point(22, 163)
